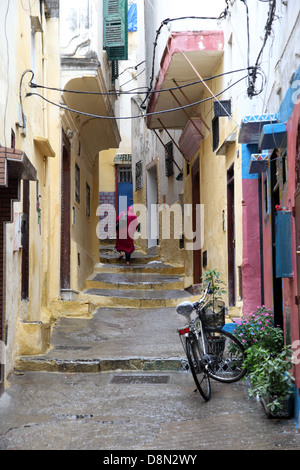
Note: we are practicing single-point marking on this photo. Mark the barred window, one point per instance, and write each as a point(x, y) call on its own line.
point(169, 159)
point(125, 174)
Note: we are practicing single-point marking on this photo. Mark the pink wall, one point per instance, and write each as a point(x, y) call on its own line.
point(251, 258)
point(290, 285)
point(267, 252)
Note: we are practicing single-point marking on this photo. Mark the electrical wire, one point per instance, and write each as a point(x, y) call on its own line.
point(256, 69)
point(66, 108)
point(136, 90)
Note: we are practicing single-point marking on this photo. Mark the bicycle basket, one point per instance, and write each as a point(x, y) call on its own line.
point(216, 345)
point(213, 315)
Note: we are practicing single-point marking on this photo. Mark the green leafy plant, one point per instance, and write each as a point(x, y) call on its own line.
point(268, 360)
point(216, 283)
point(270, 377)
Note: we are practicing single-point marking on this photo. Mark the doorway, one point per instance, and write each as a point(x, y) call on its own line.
point(297, 218)
point(275, 200)
point(65, 250)
point(7, 195)
point(231, 236)
point(152, 207)
point(125, 189)
point(197, 266)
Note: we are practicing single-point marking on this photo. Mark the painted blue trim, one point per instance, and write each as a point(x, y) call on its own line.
point(247, 150)
point(272, 136)
point(297, 407)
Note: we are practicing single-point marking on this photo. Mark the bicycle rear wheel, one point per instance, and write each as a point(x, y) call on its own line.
point(226, 355)
point(197, 367)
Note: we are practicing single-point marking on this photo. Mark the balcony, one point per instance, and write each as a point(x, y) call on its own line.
point(204, 50)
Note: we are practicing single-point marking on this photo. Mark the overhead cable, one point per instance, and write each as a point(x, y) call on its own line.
point(136, 90)
point(66, 108)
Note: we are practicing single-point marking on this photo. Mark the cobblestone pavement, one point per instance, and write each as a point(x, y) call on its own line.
point(132, 411)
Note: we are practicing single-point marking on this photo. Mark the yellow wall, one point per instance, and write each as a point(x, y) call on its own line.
point(213, 195)
point(107, 170)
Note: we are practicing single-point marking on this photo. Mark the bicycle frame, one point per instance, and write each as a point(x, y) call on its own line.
point(220, 354)
point(191, 326)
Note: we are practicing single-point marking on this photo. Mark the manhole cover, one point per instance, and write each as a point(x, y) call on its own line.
point(140, 379)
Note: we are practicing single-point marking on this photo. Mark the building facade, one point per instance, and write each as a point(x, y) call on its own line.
point(55, 77)
point(223, 88)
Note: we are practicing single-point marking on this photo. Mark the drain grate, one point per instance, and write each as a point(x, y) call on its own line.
point(140, 379)
point(72, 348)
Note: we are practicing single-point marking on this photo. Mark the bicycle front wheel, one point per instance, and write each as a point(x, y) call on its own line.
point(226, 357)
point(197, 367)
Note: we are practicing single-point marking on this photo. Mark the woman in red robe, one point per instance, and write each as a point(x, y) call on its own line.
point(127, 224)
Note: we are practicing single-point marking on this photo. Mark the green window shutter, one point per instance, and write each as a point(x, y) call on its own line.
point(115, 29)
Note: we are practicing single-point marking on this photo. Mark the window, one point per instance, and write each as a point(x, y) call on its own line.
point(283, 155)
point(138, 175)
point(115, 29)
point(215, 131)
point(77, 183)
point(169, 159)
point(124, 174)
point(222, 108)
point(88, 201)
point(265, 194)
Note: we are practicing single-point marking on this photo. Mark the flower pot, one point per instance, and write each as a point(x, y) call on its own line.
point(286, 410)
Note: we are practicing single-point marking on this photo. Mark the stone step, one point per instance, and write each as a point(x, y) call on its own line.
point(112, 339)
point(108, 254)
point(131, 280)
point(136, 258)
point(136, 298)
point(98, 365)
point(149, 267)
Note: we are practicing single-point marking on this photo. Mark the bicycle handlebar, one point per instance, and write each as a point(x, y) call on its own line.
point(200, 301)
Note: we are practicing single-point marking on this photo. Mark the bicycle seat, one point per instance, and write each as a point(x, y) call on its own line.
point(185, 308)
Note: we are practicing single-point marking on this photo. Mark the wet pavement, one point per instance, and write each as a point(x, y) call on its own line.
point(137, 396)
point(124, 411)
point(117, 381)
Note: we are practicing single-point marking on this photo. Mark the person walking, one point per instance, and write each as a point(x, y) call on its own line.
point(126, 225)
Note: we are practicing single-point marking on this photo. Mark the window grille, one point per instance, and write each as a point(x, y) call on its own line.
point(169, 159)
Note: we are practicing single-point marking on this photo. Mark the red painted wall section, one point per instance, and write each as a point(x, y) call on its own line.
point(290, 285)
point(251, 247)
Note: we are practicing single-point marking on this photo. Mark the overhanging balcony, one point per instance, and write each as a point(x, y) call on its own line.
point(204, 50)
point(96, 133)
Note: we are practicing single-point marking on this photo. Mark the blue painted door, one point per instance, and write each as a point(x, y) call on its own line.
point(125, 189)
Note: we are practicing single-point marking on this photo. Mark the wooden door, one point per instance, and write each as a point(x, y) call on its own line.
point(65, 250)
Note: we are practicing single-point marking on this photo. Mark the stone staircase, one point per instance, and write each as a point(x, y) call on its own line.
point(146, 283)
point(124, 318)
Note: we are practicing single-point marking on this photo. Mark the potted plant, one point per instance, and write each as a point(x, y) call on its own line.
point(271, 380)
point(268, 362)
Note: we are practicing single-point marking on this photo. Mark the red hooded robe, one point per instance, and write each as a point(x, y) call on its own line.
point(127, 224)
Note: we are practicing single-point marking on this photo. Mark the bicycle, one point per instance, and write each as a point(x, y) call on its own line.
point(211, 351)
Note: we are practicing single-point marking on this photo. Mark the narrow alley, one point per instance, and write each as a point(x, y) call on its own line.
point(166, 133)
point(117, 380)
